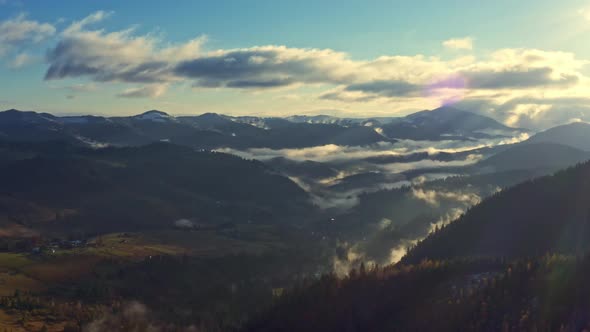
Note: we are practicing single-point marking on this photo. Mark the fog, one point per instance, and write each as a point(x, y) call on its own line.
point(339, 153)
point(420, 210)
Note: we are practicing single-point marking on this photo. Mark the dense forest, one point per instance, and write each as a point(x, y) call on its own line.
point(122, 189)
point(546, 214)
point(550, 293)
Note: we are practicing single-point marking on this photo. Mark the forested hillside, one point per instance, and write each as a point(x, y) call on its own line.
point(547, 214)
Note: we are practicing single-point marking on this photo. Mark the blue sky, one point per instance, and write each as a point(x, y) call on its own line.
point(522, 62)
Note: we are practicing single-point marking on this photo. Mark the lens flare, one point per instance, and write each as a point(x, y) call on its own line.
point(447, 90)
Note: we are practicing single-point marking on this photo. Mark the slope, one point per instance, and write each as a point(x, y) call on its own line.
point(547, 214)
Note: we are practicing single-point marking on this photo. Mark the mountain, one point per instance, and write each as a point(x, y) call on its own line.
point(575, 134)
point(222, 124)
point(116, 189)
point(30, 126)
point(532, 156)
point(279, 133)
point(305, 134)
point(212, 131)
point(328, 119)
point(446, 123)
point(547, 214)
point(154, 115)
point(323, 119)
point(206, 131)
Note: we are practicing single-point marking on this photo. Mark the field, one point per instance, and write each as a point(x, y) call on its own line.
point(50, 273)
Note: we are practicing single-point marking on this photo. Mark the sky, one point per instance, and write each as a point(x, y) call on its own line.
point(524, 63)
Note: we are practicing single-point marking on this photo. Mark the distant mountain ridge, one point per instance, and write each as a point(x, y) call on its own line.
point(447, 123)
point(551, 156)
point(211, 130)
point(206, 131)
point(576, 134)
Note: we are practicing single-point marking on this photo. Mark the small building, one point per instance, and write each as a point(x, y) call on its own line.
point(76, 243)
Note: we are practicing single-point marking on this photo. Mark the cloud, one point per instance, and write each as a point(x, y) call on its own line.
point(451, 215)
point(459, 43)
point(430, 164)
point(124, 56)
point(88, 20)
point(391, 88)
point(532, 111)
point(415, 80)
point(346, 95)
point(434, 198)
point(520, 78)
point(19, 33)
point(336, 153)
point(22, 60)
point(82, 87)
point(266, 67)
point(399, 251)
point(394, 83)
point(19, 30)
point(117, 56)
point(148, 91)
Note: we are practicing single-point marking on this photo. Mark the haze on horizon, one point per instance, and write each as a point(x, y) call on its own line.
point(378, 58)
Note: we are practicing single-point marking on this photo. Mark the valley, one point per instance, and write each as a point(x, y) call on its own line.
point(95, 215)
point(294, 166)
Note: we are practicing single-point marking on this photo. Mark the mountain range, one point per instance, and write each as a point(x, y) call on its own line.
point(446, 191)
point(209, 130)
point(574, 134)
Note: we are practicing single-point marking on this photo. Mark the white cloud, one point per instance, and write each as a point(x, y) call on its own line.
point(148, 91)
point(427, 164)
point(459, 43)
point(452, 215)
point(21, 60)
point(434, 198)
point(88, 20)
point(20, 33)
point(21, 30)
point(119, 56)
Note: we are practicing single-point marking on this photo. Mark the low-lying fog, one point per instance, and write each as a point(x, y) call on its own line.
point(362, 169)
point(387, 196)
point(337, 153)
